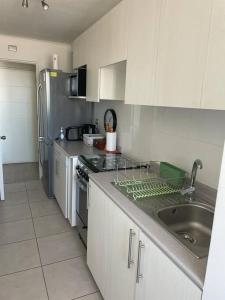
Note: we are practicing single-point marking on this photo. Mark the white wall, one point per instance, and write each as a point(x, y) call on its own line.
point(18, 113)
point(175, 135)
point(36, 51)
point(215, 273)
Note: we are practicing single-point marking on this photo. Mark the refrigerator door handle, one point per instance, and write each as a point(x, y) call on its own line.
point(41, 139)
point(38, 107)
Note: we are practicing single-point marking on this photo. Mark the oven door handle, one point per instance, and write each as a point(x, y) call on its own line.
point(82, 186)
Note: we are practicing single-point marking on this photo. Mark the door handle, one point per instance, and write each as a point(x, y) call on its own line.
point(41, 139)
point(130, 260)
point(139, 274)
point(3, 137)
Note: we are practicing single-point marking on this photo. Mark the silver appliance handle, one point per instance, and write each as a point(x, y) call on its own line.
point(130, 260)
point(41, 139)
point(139, 274)
point(82, 186)
point(38, 91)
point(38, 107)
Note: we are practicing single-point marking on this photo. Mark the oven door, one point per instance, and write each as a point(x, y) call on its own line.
point(81, 208)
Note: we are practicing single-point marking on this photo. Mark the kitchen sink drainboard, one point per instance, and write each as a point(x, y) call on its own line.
point(147, 187)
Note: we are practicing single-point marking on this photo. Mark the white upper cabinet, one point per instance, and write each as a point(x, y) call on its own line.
point(112, 36)
point(102, 44)
point(143, 20)
point(214, 84)
point(182, 52)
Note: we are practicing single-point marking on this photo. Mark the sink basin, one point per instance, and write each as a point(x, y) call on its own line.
point(191, 224)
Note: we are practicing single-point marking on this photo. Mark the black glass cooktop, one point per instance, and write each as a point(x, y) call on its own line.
point(106, 162)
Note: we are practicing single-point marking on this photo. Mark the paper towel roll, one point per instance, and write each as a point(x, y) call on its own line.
point(110, 141)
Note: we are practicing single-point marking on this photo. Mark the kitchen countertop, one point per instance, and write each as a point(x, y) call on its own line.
point(76, 148)
point(193, 267)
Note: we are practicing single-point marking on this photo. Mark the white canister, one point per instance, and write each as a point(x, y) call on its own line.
point(110, 141)
point(55, 61)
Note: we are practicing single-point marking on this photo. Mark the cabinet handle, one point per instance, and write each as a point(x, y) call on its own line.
point(139, 274)
point(130, 260)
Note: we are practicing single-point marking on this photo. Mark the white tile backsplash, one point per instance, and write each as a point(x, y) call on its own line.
point(171, 134)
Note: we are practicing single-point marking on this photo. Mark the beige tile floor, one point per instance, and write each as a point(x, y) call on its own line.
point(41, 256)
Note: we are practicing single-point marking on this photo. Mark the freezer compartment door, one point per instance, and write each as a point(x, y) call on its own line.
point(46, 161)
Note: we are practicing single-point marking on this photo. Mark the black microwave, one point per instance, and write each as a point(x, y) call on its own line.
point(78, 82)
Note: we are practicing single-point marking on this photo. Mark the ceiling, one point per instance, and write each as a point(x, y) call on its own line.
point(63, 22)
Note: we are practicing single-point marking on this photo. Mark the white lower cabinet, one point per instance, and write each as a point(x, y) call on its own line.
point(122, 254)
point(160, 278)
point(61, 179)
point(112, 240)
point(64, 169)
point(124, 262)
point(97, 237)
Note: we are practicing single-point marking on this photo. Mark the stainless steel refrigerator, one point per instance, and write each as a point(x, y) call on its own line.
point(56, 110)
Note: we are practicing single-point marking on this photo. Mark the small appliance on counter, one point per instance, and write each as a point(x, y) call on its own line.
point(74, 133)
point(89, 139)
point(89, 129)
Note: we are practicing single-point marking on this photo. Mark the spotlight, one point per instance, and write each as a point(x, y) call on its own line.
point(45, 5)
point(25, 3)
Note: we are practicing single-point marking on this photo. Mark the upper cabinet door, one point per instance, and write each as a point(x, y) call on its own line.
point(143, 20)
point(112, 29)
point(182, 52)
point(214, 84)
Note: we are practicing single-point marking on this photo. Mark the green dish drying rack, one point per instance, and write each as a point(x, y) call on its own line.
point(165, 179)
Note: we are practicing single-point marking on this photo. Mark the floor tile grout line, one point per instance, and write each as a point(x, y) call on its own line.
point(17, 242)
point(51, 214)
point(39, 256)
point(63, 260)
point(14, 221)
point(45, 236)
point(86, 295)
point(47, 216)
point(49, 235)
point(20, 271)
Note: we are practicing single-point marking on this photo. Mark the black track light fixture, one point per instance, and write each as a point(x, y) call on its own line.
point(25, 3)
point(45, 5)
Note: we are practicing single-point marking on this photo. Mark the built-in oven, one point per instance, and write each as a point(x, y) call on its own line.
point(81, 203)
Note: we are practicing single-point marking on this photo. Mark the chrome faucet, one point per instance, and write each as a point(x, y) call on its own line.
point(190, 190)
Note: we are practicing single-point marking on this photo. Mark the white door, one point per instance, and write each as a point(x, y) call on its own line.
point(2, 193)
point(18, 104)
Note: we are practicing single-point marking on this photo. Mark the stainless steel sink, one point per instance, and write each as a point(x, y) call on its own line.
point(191, 224)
